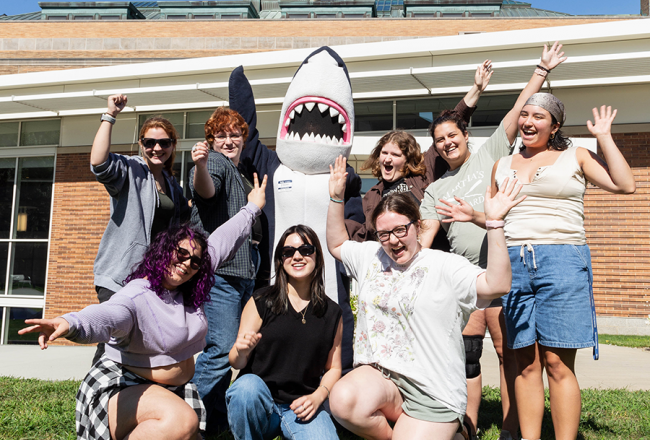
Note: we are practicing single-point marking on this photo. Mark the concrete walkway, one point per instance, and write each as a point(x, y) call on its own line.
point(618, 367)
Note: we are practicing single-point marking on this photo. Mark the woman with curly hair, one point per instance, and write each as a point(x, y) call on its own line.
point(145, 197)
point(400, 166)
point(152, 328)
point(288, 348)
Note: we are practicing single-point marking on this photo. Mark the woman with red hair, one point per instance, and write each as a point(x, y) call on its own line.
point(219, 191)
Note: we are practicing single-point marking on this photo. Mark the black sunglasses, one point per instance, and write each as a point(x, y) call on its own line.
point(151, 142)
point(304, 249)
point(183, 255)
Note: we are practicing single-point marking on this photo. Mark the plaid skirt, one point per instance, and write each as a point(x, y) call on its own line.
point(106, 378)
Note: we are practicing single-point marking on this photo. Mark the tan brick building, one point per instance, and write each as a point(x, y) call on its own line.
point(54, 212)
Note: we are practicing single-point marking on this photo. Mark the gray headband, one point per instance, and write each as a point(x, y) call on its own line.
point(549, 103)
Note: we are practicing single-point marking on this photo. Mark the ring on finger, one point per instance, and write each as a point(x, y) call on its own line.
point(195, 147)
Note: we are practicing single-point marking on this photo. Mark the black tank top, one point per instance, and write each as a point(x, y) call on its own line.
point(291, 356)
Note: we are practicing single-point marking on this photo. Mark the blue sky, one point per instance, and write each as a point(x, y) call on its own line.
point(576, 7)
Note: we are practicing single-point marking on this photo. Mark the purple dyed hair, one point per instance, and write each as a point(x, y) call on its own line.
point(161, 254)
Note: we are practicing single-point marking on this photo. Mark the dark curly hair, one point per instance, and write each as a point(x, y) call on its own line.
point(559, 142)
point(410, 149)
point(277, 297)
point(160, 122)
point(224, 119)
point(161, 254)
point(441, 166)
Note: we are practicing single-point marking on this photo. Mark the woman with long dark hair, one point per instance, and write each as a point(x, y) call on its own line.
point(152, 328)
point(288, 348)
point(145, 197)
point(550, 311)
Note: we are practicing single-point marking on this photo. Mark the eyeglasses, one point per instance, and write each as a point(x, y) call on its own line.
point(183, 255)
point(304, 249)
point(399, 232)
point(151, 142)
point(235, 137)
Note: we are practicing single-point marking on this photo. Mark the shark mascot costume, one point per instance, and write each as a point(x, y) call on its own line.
point(316, 126)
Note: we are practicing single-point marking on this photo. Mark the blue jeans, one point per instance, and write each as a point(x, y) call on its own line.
point(253, 415)
point(212, 376)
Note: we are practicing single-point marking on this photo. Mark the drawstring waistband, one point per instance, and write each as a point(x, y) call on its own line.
point(530, 249)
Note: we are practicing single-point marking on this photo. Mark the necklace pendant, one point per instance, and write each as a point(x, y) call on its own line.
point(304, 321)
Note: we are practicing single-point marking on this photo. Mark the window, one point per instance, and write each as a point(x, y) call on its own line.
point(195, 126)
point(110, 17)
point(83, 17)
point(203, 17)
point(30, 133)
point(492, 109)
point(418, 114)
point(230, 16)
point(177, 17)
point(26, 198)
point(373, 116)
point(46, 132)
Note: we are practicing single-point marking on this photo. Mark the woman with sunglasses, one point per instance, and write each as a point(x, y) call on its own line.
point(145, 198)
point(413, 304)
point(288, 348)
point(140, 387)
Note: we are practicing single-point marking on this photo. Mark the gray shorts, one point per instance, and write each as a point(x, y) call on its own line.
point(417, 404)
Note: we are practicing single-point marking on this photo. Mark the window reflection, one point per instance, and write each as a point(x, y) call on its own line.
point(7, 177)
point(4, 250)
point(34, 195)
point(9, 134)
point(29, 267)
point(195, 128)
point(15, 321)
point(45, 132)
point(373, 116)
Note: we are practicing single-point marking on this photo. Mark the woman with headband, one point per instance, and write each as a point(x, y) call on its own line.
point(550, 310)
point(454, 203)
point(145, 198)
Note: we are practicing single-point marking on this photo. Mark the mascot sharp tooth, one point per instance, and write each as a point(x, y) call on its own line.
point(292, 114)
point(323, 107)
point(298, 108)
point(333, 112)
point(341, 119)
point(345, 128)
point(310, 106)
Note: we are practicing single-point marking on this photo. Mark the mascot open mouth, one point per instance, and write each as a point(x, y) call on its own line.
point(316, 119)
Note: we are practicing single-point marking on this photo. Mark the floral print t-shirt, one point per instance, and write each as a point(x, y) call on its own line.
point(411, 317)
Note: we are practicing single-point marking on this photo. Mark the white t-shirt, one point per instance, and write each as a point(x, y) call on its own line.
point(410, 318)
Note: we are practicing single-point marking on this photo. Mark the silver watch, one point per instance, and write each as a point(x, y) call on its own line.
point(108, 118)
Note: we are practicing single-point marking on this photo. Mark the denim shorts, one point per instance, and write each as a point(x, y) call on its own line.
point(551, 298)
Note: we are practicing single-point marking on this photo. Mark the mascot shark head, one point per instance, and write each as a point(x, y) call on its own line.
point(317, 119)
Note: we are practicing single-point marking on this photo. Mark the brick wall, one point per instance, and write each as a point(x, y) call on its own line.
point(618, 232)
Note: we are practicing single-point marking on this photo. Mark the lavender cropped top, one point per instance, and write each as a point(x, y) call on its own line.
point(143, 330)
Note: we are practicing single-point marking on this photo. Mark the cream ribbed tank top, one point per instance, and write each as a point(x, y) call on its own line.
point(553, 212)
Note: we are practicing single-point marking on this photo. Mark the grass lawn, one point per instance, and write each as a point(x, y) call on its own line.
point(625, 341)
point(44, 410)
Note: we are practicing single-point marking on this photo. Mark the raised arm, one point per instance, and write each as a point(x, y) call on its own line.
point(551, 58)
point(201, 180)
point(497, 279)
point(242, 100)
point(102, 143)
point(227, 238)
point(336, 233)
point(614, 173)
point(481, 80)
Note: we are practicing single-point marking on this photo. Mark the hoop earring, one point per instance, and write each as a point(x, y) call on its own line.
point(552, 136)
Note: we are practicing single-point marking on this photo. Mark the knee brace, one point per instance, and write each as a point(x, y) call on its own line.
point(473, 352)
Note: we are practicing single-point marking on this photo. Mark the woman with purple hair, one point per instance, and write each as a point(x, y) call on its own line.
point(153, 327)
